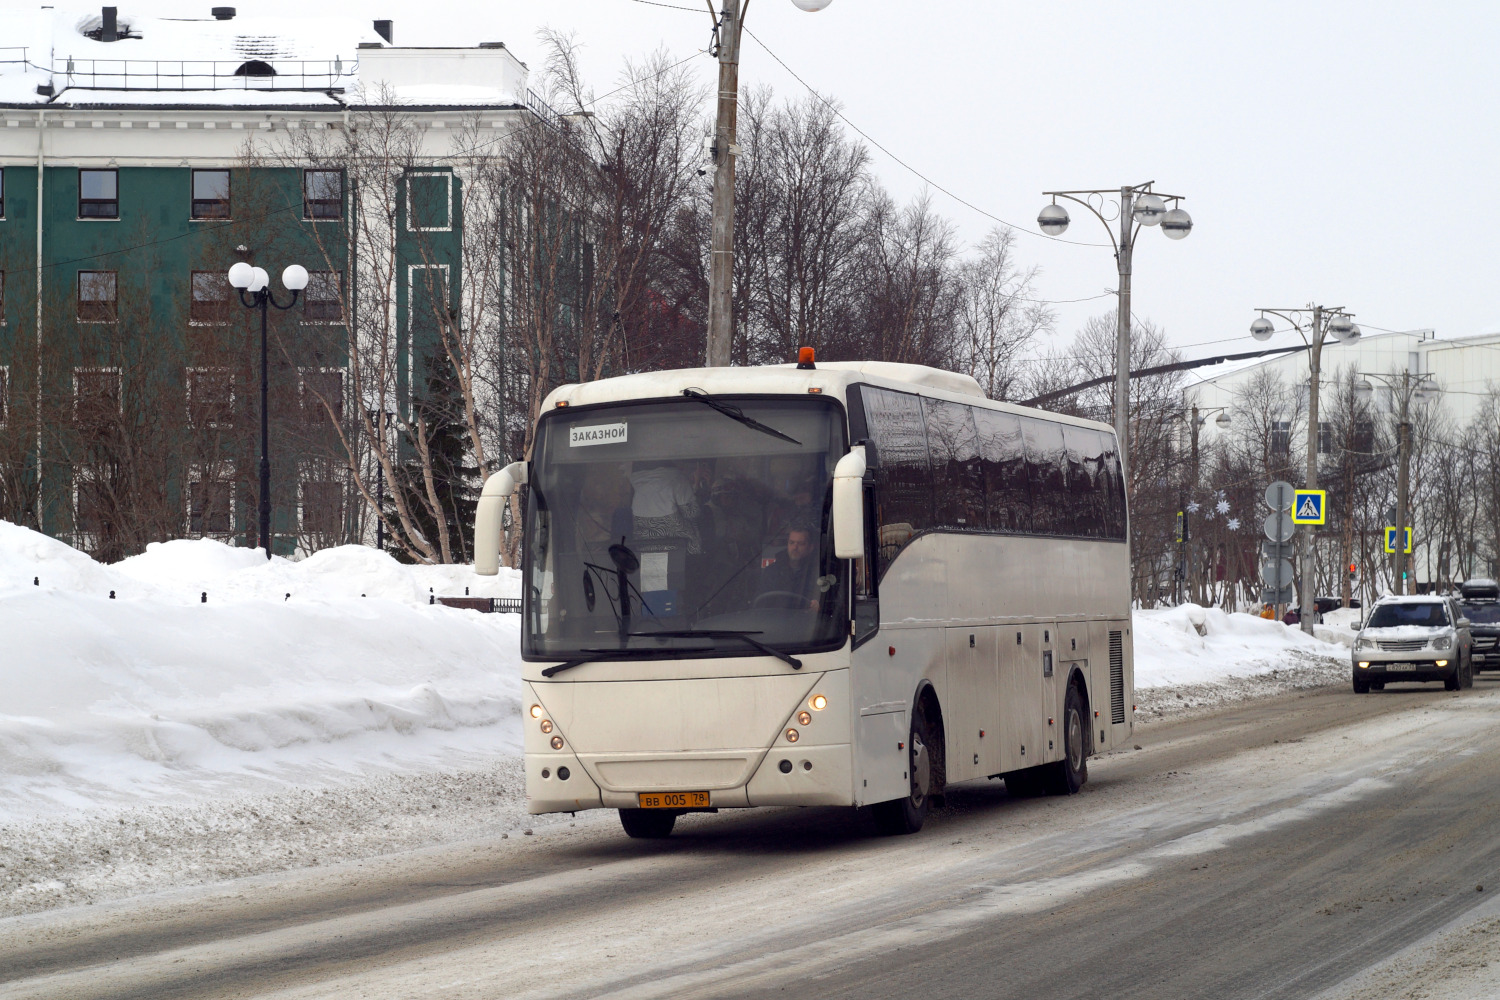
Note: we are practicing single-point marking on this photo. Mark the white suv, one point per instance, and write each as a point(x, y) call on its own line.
point(1422, 638)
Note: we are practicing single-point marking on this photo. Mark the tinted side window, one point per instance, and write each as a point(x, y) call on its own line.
point(1046, 474)
point(957, 467)
point(1113, 489)
point(903, 479)
point(1085, 493)
point(1007, 495)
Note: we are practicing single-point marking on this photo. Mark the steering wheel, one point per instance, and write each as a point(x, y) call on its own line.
point(762, 600)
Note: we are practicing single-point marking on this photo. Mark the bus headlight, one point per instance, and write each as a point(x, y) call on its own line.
point(557, 743)
point(792, 736)
point(536, 711)
point(546, 725)
point(804, 717)
point(818, 702)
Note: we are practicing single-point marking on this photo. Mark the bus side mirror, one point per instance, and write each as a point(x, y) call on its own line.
point(849, 505)
point(490, 513)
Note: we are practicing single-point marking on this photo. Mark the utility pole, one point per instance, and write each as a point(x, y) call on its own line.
point(1123, 257)
point(1192, 572)
point(1326, 321)
point(721, 260)
point(1409, 385)
point(1403, 481)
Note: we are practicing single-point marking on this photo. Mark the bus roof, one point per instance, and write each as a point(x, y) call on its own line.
point(831, 377)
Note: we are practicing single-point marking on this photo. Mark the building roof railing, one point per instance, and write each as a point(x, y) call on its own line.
point(195, 74)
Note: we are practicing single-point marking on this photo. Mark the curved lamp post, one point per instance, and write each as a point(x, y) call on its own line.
point(1315, 325)
point(254, 286)
point(727, 26)
point(1143, 207)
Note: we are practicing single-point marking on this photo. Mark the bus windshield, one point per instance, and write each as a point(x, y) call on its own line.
point(692, 527)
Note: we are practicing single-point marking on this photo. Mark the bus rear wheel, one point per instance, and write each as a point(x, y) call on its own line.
point(1065, 777)
point(648, 824)
point(901, 816)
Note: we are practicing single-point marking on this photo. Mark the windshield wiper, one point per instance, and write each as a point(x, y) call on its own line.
point(726, 634)
point(735, 413)
point(608, 655)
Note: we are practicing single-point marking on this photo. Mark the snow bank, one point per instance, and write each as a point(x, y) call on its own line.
point(1190, 645)
point(292, 673)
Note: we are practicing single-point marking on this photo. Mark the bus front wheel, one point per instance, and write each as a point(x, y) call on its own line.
point(648, 824)
point(907, 815)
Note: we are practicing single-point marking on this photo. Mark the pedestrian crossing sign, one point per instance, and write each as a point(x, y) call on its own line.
point(1309, 506)
point(1390, 539)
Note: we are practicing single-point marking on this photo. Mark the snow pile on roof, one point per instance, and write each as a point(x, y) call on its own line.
point(1171, 652)
point(156, 696)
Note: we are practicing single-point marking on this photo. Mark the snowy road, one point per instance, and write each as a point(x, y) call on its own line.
point(1272, 850)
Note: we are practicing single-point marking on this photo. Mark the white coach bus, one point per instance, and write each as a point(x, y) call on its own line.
point(844, 584)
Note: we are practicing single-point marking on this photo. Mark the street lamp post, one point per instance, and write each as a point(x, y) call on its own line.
point(1314, 325)
point(1407, 386)
point(1143, 207)
point(254, 286)
point(727, 27)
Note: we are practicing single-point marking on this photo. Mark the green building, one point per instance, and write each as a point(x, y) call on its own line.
point(139, 159)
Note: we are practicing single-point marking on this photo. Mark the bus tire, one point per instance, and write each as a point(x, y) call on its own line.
point(648, 824)
point(906, 815)
point(1066, 777)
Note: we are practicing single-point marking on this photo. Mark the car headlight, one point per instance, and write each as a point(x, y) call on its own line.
point(1364, 643)
point(1442, 642)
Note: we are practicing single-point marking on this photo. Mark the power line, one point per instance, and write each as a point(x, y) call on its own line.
point(926, 179)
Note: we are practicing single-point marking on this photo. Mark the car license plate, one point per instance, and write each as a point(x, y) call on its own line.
point(673, 800)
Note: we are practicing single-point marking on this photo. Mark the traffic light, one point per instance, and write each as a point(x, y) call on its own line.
point(1353, 570)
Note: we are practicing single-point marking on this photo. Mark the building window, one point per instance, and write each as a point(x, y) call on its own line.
point(1325, 438)
point(429, 202)
point(96, 395)
point(1281, 438)
point(322, 194)
point(210, 194)
point(322, 391)
point(97, 297)
point(323, 508)
point(1364, 436)
point(210, 398)
point(4, 394)
point(323, 302)
point(98, 194)
point(210, 302)
point(210, 505)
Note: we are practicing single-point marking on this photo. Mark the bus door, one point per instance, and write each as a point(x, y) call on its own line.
point(971, 704)
point(1023, 694)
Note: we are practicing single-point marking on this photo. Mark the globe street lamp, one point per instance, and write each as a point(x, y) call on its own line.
point(727, 26)
point(1314, 324)
point(255, 293)
point(1143, 207)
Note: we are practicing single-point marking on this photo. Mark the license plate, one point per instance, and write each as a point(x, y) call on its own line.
point(673, 800)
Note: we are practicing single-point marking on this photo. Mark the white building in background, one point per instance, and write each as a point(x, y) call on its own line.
point(1466, 370)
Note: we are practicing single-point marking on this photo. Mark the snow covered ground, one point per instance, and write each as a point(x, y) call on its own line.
point(323, 710)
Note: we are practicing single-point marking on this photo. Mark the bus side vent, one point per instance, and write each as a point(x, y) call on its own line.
point(1116, 678)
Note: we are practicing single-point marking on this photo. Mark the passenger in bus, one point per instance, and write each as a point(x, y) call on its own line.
point(664, 504)
point(791, 580)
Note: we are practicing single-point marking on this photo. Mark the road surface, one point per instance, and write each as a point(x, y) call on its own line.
point(1309, 843)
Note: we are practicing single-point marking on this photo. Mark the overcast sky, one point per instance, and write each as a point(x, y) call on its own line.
point(1344, 153)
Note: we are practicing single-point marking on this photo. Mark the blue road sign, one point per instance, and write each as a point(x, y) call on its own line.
point(1310, 507)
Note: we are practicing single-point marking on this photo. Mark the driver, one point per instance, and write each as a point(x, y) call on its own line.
point(793, 574)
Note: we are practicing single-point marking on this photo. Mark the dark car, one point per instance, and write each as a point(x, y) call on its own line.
point(1480, 600)
point(1323, 605)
